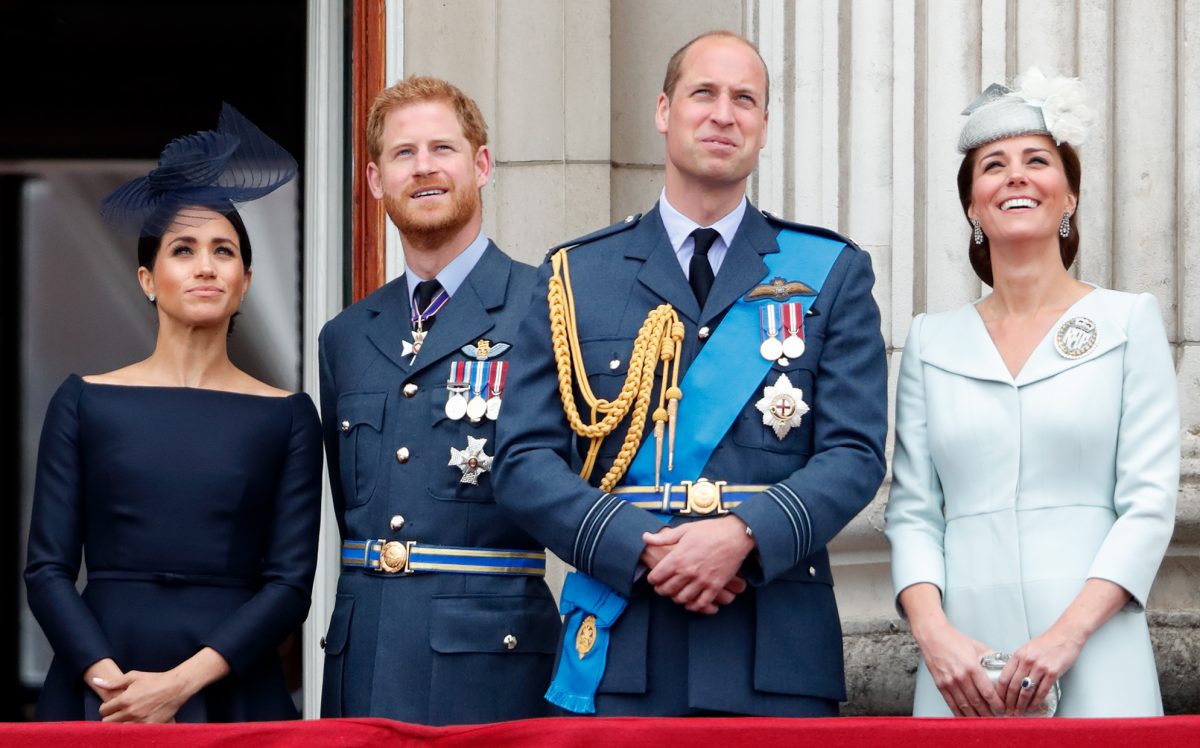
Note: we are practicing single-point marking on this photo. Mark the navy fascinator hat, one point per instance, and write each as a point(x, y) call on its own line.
point(211, 169)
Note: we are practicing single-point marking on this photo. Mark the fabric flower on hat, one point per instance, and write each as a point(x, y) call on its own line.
point(1063, 102)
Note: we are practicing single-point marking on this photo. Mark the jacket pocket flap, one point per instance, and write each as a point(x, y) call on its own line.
point(339, 625)
point(357, 408)
point(494, 623)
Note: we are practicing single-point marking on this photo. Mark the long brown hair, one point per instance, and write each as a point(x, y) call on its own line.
point(981, 254)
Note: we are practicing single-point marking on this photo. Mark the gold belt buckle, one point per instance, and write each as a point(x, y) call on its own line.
point(703, 497)
point(393, 557)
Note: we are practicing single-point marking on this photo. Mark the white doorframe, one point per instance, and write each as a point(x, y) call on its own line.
point(324, 207)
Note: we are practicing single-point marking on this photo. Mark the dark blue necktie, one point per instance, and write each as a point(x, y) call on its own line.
point(700, 272)
point(424, 295)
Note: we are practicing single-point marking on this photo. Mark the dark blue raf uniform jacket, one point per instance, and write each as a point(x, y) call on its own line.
point(777, 649)
point(426, 648)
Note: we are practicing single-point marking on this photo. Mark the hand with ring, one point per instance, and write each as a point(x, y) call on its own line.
point(1033, 670)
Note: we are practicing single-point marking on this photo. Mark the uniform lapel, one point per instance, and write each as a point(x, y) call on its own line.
point(743, 265)
point(465, 317)
point(392, 324)
point(661, 274)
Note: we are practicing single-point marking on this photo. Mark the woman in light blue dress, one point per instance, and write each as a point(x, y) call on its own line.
point(1037, 444)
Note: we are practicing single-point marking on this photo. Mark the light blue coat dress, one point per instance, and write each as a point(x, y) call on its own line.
point(1008, 494)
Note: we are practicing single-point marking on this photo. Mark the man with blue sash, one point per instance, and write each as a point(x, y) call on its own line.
point(442, 613)
point(703, 410)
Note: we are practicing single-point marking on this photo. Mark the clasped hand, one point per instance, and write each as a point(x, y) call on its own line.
point(696, 564)
point(140, 697)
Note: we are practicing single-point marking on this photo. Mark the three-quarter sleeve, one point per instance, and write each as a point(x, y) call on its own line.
point(290, 555)
point(1147, 459)
point(916, 525)
point(56, 533)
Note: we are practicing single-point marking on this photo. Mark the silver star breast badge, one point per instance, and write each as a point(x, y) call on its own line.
point(782, 406)
point(472, 461)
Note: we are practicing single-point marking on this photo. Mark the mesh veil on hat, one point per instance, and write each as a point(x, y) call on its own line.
point(1056, 107)
point(211, 169)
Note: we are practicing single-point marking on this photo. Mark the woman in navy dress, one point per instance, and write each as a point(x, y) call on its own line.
point(192, 489)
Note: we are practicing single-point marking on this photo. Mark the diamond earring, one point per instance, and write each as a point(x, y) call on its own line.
point(1064, 226)
point(978, 231)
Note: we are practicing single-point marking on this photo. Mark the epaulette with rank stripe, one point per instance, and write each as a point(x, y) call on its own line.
point(616, 228)
point(807, 229)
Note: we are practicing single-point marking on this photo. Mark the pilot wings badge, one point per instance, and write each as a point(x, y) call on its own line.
point(780, 289)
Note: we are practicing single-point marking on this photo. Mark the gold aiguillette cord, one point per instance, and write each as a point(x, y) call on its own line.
point(659, 339)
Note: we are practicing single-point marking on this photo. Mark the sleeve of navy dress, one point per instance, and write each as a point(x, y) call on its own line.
point(56, 531)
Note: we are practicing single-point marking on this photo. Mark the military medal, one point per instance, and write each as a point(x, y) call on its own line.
point(793, 330)
point(477, 406)
point(413, 348)
point(456, 388)
point(771, 348)
point(496, 388)
point(472, 461)
point(1076, 337)
point(782, 406)
point(418, 321)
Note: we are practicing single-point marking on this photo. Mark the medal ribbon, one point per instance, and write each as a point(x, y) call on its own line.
point(435, 306)
point(498, 378)
point(480, 378)
point(793, 319)
point(767, 325)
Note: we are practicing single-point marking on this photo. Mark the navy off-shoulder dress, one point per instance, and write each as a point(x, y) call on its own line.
point(198, 513)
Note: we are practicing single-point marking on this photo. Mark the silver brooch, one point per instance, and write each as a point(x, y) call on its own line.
point(1075, 337)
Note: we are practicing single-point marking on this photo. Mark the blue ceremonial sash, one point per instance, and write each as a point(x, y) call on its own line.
point(704, 421)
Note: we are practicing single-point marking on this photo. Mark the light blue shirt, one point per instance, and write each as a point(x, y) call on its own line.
point(453, 275)
point(680, 227)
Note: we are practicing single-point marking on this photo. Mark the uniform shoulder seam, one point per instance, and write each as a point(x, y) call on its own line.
point(624, 224)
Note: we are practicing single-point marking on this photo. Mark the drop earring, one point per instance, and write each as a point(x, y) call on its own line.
point(1064, 226)
point(977, 231)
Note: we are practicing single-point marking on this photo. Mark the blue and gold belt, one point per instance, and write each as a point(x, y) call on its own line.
point(411, 557)
point(690, 498)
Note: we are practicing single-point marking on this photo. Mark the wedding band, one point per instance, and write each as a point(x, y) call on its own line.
point(1028, 683)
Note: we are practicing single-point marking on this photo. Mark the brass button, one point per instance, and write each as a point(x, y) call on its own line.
point(322, 642)
point(510, 642)
point(812, 571)
point(614, 364)
point(396, 523)
point(411, 389)
point(402, 455)
point(703, 333)
point(345, 426)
